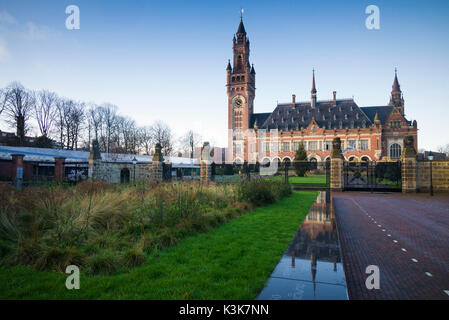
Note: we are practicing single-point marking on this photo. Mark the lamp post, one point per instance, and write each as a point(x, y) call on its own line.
point(134, 165)
point(430, 157)
point(168, 163)
point(286, 165)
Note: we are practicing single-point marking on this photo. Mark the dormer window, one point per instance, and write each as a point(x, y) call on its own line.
point(395, 124)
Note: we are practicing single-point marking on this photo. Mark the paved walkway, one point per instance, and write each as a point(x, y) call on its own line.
point(406, 236)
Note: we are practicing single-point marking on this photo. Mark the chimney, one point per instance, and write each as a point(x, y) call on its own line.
point(293, 100)
point(335, 99)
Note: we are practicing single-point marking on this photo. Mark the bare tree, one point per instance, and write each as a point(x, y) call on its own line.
point(161, 133)
point(2, 100)
point(77, 117)
point(109, 118)
point(70, 115)
point(95, 117)
point(18, 105)
point(60, 123)
point(129, 134)
point(45, 111)
point(444, 149)
point(189, 141)
point(146, 139)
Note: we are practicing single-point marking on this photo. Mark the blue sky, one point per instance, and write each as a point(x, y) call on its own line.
point(166, 59)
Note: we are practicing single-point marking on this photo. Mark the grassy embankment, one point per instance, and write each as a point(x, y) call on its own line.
point(228, 262)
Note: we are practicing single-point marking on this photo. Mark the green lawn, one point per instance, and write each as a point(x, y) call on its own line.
point(230, 262)
point(303, 180)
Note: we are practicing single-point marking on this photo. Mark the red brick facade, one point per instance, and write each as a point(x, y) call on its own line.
point(375, 133)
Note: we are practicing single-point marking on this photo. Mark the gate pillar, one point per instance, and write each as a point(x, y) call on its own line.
point(336, 166)
point(205, 164)
point(409, 166)
point(157, 164)
point(94, 160)
point(17, 169)
point(59, 168)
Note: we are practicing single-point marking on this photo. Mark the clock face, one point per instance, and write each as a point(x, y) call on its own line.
point(238, 101)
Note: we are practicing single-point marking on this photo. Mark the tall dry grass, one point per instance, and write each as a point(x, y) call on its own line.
point(106, 228)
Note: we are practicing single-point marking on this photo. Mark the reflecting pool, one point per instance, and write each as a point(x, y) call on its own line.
point(311, 267)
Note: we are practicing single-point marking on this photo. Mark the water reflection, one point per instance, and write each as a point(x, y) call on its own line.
point(311, 267)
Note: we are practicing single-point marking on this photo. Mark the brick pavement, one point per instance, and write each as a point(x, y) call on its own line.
point(389, 230)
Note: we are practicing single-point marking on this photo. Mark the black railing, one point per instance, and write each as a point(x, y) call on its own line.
point(372, 176)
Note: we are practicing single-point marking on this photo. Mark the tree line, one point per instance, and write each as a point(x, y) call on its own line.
point(69, 124)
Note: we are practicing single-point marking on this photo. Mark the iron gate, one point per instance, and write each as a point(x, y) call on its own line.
point(372, 176)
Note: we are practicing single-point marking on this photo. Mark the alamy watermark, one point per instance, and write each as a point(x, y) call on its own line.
point(72, 22)
point(373, 280)
point(372, 22)
point(73, 280)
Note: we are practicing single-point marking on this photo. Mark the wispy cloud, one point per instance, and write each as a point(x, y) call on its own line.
point(7, 18)
point(38, 32)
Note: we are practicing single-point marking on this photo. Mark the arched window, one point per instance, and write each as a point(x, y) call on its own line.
point(365, 159)
point(276, 163)
point(395, 151)
point(124, 175)
point(313, 163)
point(266, 162)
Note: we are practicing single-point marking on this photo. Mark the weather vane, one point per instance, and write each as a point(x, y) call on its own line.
point(241, 13)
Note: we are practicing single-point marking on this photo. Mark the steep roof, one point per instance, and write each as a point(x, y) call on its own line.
point(241, 28)
point(383, 112)
point(345, 114)
point(260, 117)
point(396, 87)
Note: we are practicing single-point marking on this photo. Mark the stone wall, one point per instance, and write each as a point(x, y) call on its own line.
point(409, 166)
point(440, 176)
point(110, 171)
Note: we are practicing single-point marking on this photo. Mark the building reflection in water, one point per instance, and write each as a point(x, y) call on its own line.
point(311, 267)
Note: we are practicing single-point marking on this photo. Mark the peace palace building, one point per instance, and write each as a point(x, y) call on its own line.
point(367, 133)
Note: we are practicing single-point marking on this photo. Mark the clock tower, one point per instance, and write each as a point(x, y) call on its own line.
point(241, 80)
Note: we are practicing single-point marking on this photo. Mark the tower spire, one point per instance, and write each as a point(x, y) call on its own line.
point(396, 99)
point(229, 65)
point(313, 82)
point(313, 91)
point(241, 30)
point(396, 87)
